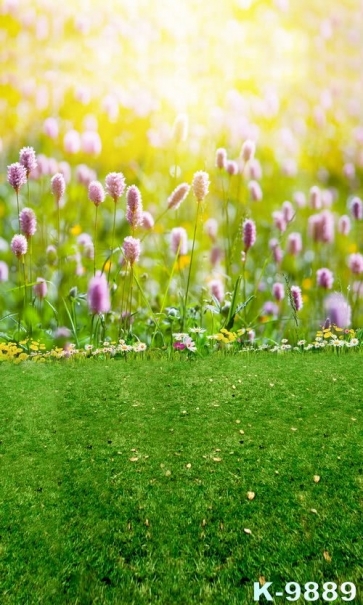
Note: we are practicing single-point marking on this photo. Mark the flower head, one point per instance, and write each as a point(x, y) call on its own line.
point(147, 220)
point(179, 241)
point(131, 249)
point(98, 296)
point(200, 185)
point(58, 186)
point(325, 278)
point(16, 175)
point(19, 245)
point(216, 289)
point(40, 288)
point(338, 311)
point(356, 208)
point(96, 193)
point(355, 262)
point(221, 158)
point(296, 298)
point(28, 222)
point(278, 290)
point(178, 196)
point(248, 150)
point(28, 159)
point(249, 233)
point(134, 212)
point(115, 185)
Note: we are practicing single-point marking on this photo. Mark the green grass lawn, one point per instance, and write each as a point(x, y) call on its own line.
point(126, 483)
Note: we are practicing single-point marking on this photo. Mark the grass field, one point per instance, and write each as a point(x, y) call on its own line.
point(126, 483)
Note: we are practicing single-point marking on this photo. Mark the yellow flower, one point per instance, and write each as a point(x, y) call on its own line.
point(75, 230)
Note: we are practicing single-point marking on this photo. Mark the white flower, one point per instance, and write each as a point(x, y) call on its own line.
point(197, 330)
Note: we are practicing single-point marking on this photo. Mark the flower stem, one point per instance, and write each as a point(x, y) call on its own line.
point(94, 246)
point(190, 269)
point(112, 244)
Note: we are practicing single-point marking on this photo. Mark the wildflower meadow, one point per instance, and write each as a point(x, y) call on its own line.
point(181, 287)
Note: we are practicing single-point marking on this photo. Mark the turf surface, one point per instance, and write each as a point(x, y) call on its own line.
point(126, 483)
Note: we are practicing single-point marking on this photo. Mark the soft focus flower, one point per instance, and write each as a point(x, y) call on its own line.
point(356, 208)
point(180, 128)
point(216, 255)
point(58, 186)
point(65, 169)
point(91, 142)
point(254, 169)
point(179, 241)
point(85, 175)
point(279, 220)
point(294, 243)
point(344, 224)
point(19, 245)
point(300, 199)
point(315, 198)
point(296, 298)
point(147, 220)
point(232, 167)
point(98, 296)
point(276, 250)
point(216, 289)
point(255, 191)
point(337, 310)
point(221, 158)
point(270, 308)
point(96, 192)
point(28, 159)
point(72, 141)
point(278, 290)
point(134, 212)
point(178, 196)
point(248, 150)
point(211, 228)
point(200, 185)
point(28, 222)
point(249, 233)
point(115, 185)
point(325, 278)
point(50, 128)
point(355, 263)
point(16, 175)
point(4, 271)
point(40, 288)
point(131, 249)
point(288, 211)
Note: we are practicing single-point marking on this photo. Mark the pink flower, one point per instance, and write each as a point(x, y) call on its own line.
point(91, 142)
point(16, 176)
point(72, 141)
point(85, 175)
point(276, 250)
point(147, 220)
point(288, 211)
point(211, 228)
point(178, 196)
point(216, 255)
point(40, 288)
point(255, 191)
point(98, 296)
point(179, 241)
point(300, 199)
point(248, 150)
point(200, 185)
point(4, 271)
point(254, 169)
point(344, 224)
point(131, 249)
point(279, 220)
point(58, 186)
point(338, 311)
point(315, 198)
point(19, 245)
point(249, 233)
point(296, 300)
point(294, 244)
point(355, 263)
point(28, 222)
point(221, 158)
point(65, 169)
point(28, 159)
point(232, 167)
point(325, 278)
point(96, 193)
point(51, 128)
point(134, 210)
point(356, 208)
point(216, 289)
point(278, 290)
point(115, 185)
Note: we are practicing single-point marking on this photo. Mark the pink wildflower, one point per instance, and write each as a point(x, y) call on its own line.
point(58, 186)
point(40, 288)
point(278, 290)
point(355, 263)
point(200, 185)
point(344, 224)
point(255, 191)
point(249, 233)
point(356, 208)
point(16, 176)
point(338, 311)
point(19, 245)
point(221, 158)
point(72, 141)
point(325, 278)
point(98, 296)
point(179, 241)
point(296, 298)
point(248, 150)
point(131, 249)
point(115, 185)
point(96, 193)
point(178, 196)
point(28, 222)
point(134, 210)
point(294, 244)
point(28, 159)
point(4, 271)
point(216, 289)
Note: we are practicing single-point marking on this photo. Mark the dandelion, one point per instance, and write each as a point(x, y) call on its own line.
point(178, 196)
point(325, 278)
point(134, 212)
